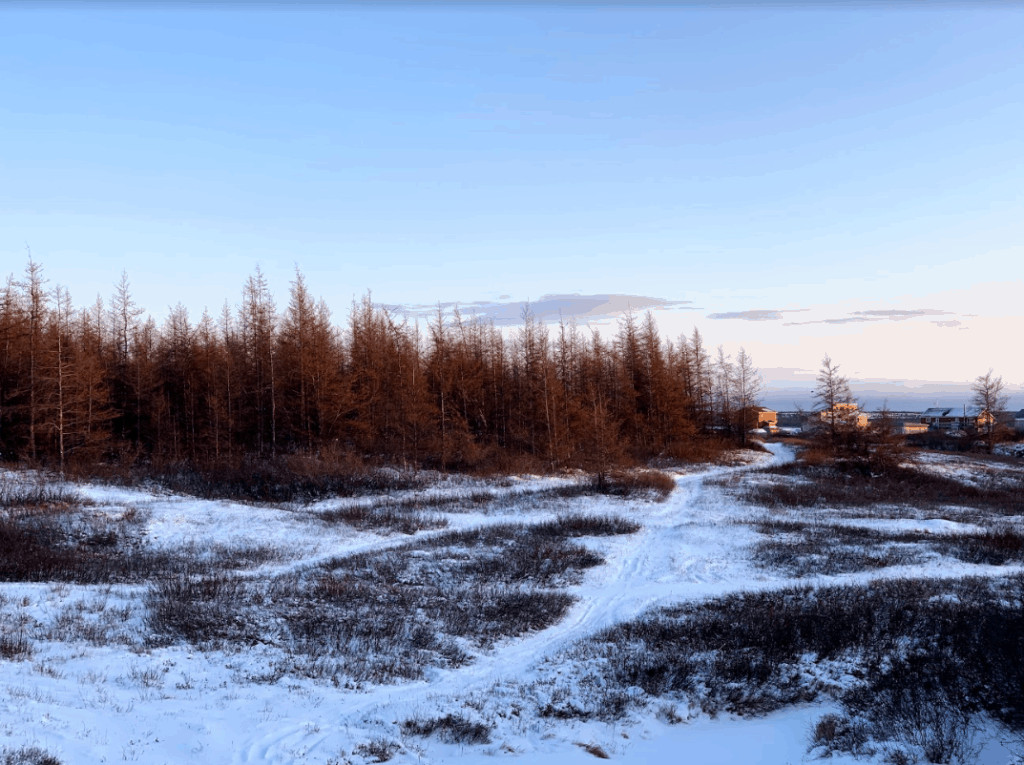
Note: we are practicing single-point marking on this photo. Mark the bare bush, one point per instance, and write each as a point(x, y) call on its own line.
point(15, 647)
point(377, 750)
point(451, 729)
point(200, 609)
point(835, 733)
point(384, 516)
point(27, 755)
point(922, 703)
point(623, 483)
point(41, 494)
point(285, 478)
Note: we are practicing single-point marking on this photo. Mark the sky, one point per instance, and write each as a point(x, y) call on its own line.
point(796, 179)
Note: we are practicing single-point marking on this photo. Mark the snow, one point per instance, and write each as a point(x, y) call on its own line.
point(122, 702)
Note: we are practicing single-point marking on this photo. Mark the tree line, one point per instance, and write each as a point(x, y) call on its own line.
point(105, 383)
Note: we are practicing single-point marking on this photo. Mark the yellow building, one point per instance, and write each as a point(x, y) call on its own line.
point(846, 413)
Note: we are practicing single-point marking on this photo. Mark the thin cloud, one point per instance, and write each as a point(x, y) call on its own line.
point(549, 308)
point(948, 323)
point(888, 314)
point(844, 320)
point(896, 314)
point(756, 314)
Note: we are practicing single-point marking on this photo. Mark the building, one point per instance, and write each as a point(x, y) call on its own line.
point(1018, 421)
point(847, 413)
point(767, 418)
point(909, 428)
point(956, 418)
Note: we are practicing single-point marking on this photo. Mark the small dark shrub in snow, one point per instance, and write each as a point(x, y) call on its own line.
point(27, 755)
point(284, 478)
point(199, 609)
point(839, 733)
point(385, 516)
point(378, 750)
point(623, 483)
point(451, 729)
point(17, 493)
point(923, 703)
point(14, 646)
point(996, 547)
point(588, 526)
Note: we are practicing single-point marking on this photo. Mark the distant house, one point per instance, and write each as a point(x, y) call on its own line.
point(956, 418)
point(909, 428)
point(847, 413)
point(1018, 421)
point(767, 418)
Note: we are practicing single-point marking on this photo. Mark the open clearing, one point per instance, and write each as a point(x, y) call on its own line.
point(527, 619)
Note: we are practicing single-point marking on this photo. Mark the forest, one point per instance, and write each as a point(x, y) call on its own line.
point(105, 387)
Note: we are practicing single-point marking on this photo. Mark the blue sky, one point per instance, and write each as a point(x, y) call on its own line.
point(829, 161)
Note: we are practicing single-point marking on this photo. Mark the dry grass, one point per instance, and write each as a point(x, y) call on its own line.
point(594, 749)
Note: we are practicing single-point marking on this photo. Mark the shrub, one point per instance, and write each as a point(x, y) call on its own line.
point(19, 493)
point(840, 733)
point(385, 516)
point(377, 750)
point(284, 478)
point(621, 483)
point(14, 647)
point(451, 729)
point(27, 755)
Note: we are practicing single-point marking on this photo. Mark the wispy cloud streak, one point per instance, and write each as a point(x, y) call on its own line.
point(887, 314)
point(548, 308)
point(756, 314)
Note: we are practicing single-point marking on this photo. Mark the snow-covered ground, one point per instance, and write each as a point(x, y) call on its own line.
point(119, 699)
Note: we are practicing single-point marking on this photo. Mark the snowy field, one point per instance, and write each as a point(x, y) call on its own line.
point(234, 633)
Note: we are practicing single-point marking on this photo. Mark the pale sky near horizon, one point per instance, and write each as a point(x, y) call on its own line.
point(795, 179)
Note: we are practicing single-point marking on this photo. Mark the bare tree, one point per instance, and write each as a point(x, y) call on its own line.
point(747, 388)
point(990, 398)
point(831, 390)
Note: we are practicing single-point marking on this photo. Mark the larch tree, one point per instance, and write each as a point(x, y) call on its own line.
point(747, 388)
point(989, 396)
point(124, 318)
point(831, 390)
point(36, 309)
